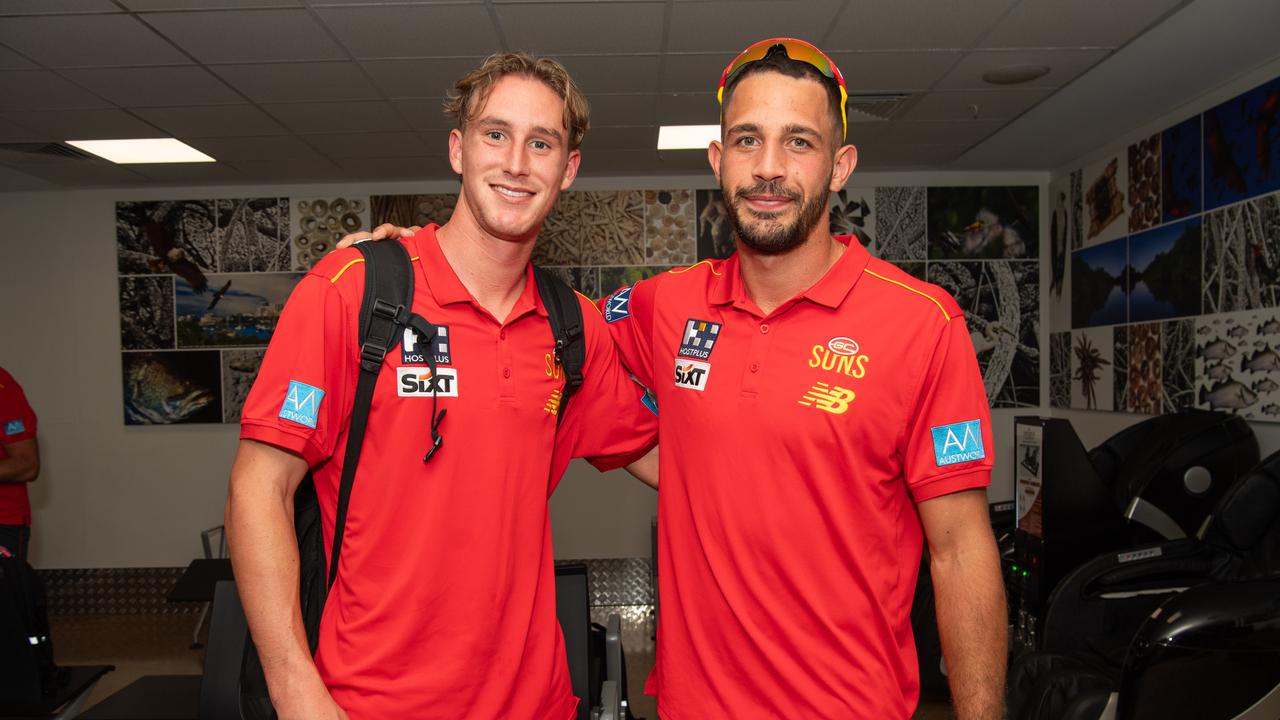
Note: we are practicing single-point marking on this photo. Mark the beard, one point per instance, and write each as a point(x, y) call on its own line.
point(775, 239)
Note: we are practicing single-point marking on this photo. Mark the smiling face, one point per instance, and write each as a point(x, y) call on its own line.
point(514, 158)
point(779, 160)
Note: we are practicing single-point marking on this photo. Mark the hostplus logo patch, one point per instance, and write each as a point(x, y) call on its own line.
point(302, 404)
point(699, 339)
point(416, 349)
point(957, 443)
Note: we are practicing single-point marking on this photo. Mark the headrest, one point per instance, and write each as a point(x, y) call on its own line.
point(1249, 508)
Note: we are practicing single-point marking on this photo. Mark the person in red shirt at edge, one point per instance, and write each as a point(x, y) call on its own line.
point(19, 465)
point(821, 416)
point(444, 605)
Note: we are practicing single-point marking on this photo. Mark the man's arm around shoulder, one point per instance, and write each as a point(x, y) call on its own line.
point(264, 553)
point(969, 593)
point(22, 462)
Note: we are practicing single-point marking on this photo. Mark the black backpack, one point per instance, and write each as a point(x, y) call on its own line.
point(29, 676)
point(385, 312)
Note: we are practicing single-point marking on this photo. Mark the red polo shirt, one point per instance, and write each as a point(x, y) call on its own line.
point(17, 423)
point(444, 605)
point(795, 447)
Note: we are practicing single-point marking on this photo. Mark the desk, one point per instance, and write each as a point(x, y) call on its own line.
point(151, 697)
point(198, 580)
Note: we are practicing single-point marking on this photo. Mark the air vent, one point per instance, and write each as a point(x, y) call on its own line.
point(46, 149)
point(874, 108)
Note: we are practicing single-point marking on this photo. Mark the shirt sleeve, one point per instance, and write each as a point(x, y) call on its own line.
point(607, 420)
point(948, 440)
point(17, 419)
point(300, 399)
point(628, 316)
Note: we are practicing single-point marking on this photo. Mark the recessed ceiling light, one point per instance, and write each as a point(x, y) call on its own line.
point(687, 137)
point(142, 150)
point(1015, 74)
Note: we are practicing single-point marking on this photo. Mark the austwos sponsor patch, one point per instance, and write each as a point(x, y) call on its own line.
point(957, 443)
point(302, 404)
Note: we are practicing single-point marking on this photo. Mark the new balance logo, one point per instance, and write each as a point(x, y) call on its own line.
point(553, 403)
point(828, 398)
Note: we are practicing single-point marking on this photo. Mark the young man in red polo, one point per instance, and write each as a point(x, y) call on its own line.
point(444, 605)
point(19, 465)
point(822, 415)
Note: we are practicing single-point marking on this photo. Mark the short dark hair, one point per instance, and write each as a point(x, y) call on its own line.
point(777, 60)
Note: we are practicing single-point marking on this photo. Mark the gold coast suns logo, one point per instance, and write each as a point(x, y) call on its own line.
point(840, 354)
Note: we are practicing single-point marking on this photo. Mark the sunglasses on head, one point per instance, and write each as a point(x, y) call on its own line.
point(796, 50)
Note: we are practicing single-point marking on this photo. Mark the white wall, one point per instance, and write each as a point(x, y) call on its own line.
point(117, 496)
point(1094, 426)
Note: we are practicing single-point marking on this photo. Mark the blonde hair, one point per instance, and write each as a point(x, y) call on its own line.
point(472, 90)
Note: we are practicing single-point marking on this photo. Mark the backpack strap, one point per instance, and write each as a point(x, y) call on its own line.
point(384, 311)
point(565, 316)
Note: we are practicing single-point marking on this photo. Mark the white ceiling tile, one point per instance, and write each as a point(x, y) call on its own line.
point(50, 7)
point(424, 114)
point(254, 149)
point(41, 89)
point(959, 104)
point(299, 82)
point(212, 121)
point(304, 170)
point(698, 72)
point(430, 167)
point(730, 27)
point(372, 116)
point(87, 40)
point(886, 156)
point(912, 24)
point(208, 4)
point(10, 60)
point(581, 28)
point(370, 145)
point(959, 132)
point(622, 109)
point(83, 124)
point(613, 73)
point(621, 138)
point(214, 172)
point(85, 174)
point(882, 72)
point(230, 36)
point(419, 78)
point(688, 109)
point(1064, 66)
point(1079, 23)
point(155, 86)
point(403, 31)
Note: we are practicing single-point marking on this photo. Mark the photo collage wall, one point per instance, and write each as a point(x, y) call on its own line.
point(1165, 269)
point(202, 282)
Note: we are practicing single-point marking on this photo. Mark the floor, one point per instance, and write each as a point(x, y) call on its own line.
point(158, 644)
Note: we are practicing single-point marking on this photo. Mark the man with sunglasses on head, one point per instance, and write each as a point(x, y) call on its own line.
point(444, 602)
point(821, 416)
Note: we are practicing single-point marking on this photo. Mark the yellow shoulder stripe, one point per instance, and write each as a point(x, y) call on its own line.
point(678, 271)
point(904, 286)
point(334, 279)
point(589, 301)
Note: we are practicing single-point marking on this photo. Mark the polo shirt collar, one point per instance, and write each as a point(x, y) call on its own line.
point(447, 289)
point(727, 287)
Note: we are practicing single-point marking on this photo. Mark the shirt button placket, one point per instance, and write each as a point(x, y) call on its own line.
point(756, 352)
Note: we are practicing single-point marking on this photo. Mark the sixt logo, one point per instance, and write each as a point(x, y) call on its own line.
point(415, 350)
point(699, 338)
point(957, 443)
point(419, 382)
point(828, 398)
point(302, 404)
point(692, 374)
point(618, 306)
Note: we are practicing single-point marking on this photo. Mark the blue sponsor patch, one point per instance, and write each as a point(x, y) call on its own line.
point(15, 427)
point(302, 404)
point(415, 349)
point(699, 338)
point(618, 306)
point(957, 443)
point(650, 401)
